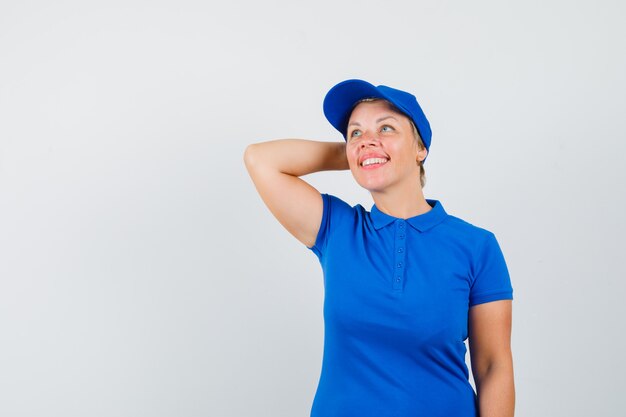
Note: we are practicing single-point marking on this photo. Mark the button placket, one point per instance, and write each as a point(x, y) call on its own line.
point(400, 252)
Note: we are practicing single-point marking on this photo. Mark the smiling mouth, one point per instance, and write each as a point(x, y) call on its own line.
point(374, 161)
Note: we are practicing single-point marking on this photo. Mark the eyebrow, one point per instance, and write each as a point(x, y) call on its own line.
point(377, 121)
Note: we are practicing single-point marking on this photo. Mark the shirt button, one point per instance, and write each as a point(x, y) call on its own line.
point(401, 236)
point(400, 250)
point(401, 225)
point(398, 279)
point(399, 264)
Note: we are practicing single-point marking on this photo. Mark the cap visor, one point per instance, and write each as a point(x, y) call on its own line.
point(340, 100)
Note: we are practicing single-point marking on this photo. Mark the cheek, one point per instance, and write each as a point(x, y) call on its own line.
point(352, 156)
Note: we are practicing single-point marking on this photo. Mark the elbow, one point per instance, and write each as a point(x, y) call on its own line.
point(250, 155)
point(502, 367)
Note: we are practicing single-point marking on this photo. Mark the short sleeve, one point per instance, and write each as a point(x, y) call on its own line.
point(337, 216)
point(322, 234)
point(491, 280)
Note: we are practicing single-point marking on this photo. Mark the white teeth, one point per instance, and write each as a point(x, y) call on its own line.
point(372, 161)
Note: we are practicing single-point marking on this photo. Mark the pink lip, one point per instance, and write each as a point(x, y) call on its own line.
point(374, 166)
point(372, 155)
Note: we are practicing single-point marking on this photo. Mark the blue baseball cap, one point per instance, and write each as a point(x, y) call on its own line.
point(341, 99)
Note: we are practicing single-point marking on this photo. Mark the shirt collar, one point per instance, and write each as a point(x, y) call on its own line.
point(421, 222)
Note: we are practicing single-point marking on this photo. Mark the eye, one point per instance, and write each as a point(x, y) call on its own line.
point(355, 133)
point(386, 128)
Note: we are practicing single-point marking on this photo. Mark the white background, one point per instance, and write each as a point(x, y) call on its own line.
point(140, 273)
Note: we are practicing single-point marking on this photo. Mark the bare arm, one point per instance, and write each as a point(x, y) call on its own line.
point(492, 362)
point(275, 168)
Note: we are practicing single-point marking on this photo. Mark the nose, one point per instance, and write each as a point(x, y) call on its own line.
point(369, 140)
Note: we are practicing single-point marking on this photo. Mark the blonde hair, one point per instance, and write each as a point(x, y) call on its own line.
point(416, 134)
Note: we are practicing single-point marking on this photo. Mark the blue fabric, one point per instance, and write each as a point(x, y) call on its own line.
point(396, 300)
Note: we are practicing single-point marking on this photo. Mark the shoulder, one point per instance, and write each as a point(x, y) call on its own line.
point(473, 241)
point(338, 219)
point(340, 202)
point(337, 207)
point(466, 230)
point(343, 217)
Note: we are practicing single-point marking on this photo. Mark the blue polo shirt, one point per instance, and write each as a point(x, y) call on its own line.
point(396, 299)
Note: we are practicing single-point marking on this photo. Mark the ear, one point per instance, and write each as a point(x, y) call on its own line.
point(421, 155)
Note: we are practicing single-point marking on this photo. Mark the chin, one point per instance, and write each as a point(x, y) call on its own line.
point(371, 185)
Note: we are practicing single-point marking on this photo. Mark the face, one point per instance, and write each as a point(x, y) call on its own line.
point(381, 148)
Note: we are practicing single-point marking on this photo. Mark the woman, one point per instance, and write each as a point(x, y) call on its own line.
point(405, 284)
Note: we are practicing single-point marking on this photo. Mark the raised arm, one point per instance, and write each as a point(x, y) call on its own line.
point(275, 168)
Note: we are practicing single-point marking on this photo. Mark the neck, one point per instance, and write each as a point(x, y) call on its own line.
point(402, 204)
